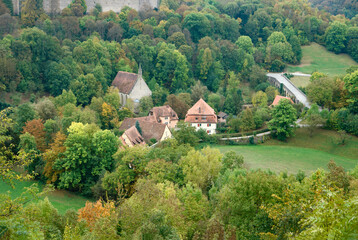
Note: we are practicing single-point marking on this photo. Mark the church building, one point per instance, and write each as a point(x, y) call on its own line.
point(131, 85)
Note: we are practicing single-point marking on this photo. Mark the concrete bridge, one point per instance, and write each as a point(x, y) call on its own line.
point(289, 89)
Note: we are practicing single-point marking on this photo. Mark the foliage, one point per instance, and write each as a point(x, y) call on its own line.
point(201, 167)
point(283, 120)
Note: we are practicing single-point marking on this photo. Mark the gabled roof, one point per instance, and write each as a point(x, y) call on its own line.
point(125, 81)
point(222, 115)
point(163, 111)
point(278, 98)
point(201, 112)
point(134, 136)
point(149, 129)
point(201, 108)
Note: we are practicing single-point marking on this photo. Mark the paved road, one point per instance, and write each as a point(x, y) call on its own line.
point(300, 96)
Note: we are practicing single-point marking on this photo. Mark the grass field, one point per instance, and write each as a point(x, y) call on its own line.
point(299, 153)
point(300, 81)
point(60, 199)
point(317, 58)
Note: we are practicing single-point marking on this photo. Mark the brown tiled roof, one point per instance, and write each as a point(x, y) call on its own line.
point(201, 112)
point(278, 98)
point(163, 111)
point(134, 136)
point(222, 114)
point(125, 81)
point(149, 129)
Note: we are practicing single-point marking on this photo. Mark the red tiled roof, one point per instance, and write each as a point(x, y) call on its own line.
point(134, 136)
point(278, 98)
point(149, 129)
point(125, 81)
point(201, 112)
point(163, 111)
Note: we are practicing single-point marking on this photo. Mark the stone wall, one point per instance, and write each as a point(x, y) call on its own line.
point(56, 6)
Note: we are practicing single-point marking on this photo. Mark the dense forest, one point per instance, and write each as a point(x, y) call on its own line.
point(60, 116)
point(349, 8)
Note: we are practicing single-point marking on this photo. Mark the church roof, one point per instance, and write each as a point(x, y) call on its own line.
point(125, 81)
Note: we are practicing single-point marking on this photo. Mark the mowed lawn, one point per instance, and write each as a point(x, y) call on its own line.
point(62, 200)
point(318, 58)
point(299, 153)
point(300, 81)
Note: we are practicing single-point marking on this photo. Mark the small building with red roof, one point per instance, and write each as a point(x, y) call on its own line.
point(132, 137)
point(202, 116)
point(278, 98)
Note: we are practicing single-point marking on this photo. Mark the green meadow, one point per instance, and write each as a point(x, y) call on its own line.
point(318, 58)
point(62, 200)
point(299, 153)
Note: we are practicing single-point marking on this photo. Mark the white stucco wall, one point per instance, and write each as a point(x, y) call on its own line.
point(211, 128)
point(140, 90)
point(167, 134)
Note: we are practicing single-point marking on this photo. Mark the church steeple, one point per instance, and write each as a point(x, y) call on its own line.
point(140, 71)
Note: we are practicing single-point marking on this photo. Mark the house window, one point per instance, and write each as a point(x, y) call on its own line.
point(196, 118)
point(166, 118)
point(199, 124)
point(209, 125)
point(208, 131)
point(204, 118)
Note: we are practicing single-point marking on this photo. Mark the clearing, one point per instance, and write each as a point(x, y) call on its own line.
point(300, 81)
point(299, 153)
point(62, 200)
point(318, 58)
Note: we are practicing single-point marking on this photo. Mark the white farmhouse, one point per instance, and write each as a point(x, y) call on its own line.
point(202, 116)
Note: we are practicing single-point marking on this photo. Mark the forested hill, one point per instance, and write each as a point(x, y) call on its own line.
point(347, 7)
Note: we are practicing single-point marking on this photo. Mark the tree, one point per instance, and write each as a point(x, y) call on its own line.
point(8, 161)
point(239, 196)
point(283, 120)
point(198, 25)
point(351, 84)
point(198, 91)
point(245, 43)
point(201, 167)
point(320, 91)
point(55, 152)
point(88, 152)
point(259, 99)
point(336, 37)
point(36, 128)
point(25, 112)
point(179, 106)
point(137, 126)
point(93, 212)
point(29, 13)
point(65, 98)
point(247, 120)
point(85, 87)
point(145, 104)
point(231, 161)
point(313, 118)
point(46, 109)
point(186, 134)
